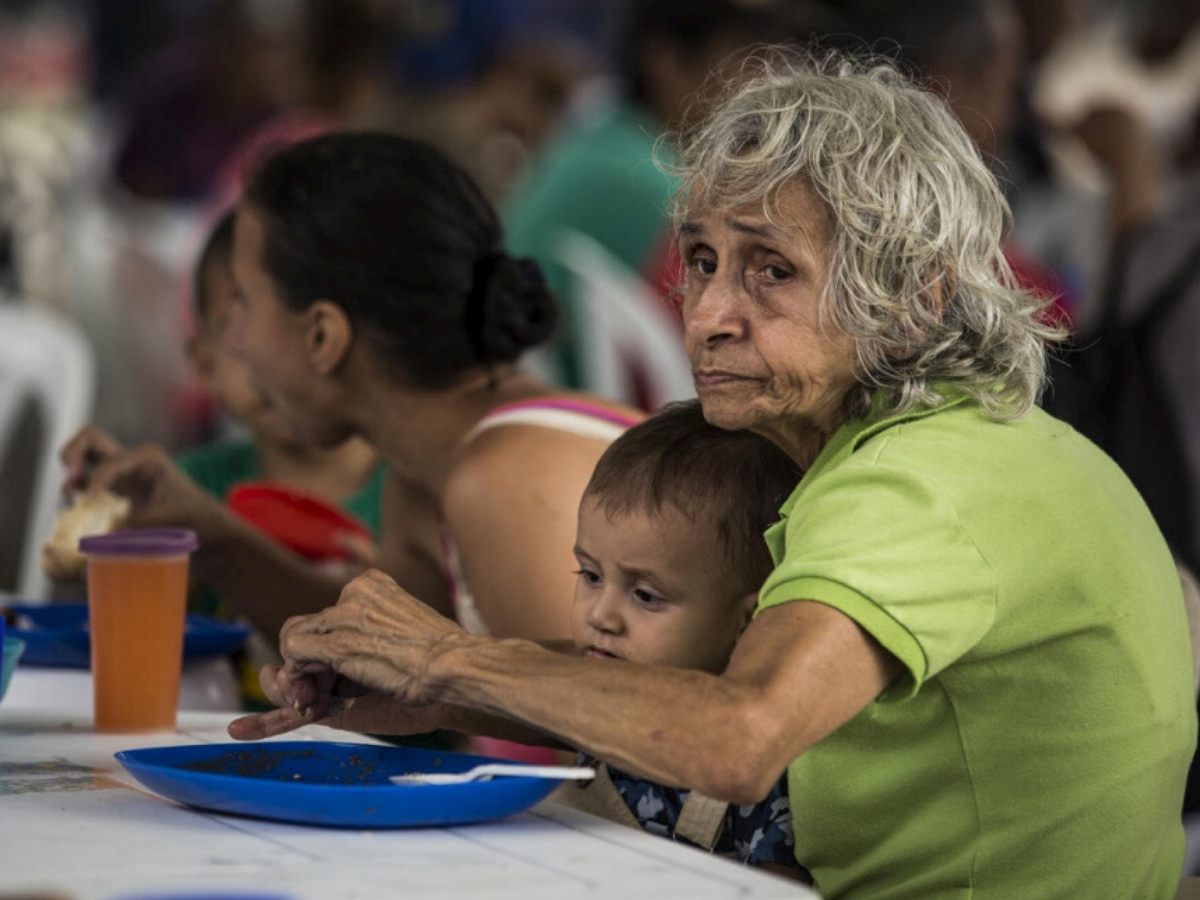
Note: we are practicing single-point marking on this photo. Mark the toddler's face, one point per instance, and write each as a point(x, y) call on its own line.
point(654, 588)
point(275, 344)
point(225, 375)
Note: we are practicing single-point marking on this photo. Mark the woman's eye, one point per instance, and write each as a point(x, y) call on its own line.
point(700, 261)
point(777, 273)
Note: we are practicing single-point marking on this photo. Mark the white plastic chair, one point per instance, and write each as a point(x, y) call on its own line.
point(622, 322)
point(44, 359)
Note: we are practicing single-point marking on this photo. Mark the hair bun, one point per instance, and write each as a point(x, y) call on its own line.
point(510, 308)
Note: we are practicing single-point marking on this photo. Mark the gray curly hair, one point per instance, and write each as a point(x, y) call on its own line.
point(919, 279)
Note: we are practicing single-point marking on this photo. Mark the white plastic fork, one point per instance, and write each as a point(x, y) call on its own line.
point(491, 770)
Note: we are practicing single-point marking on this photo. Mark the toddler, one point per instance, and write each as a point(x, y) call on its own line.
point(671, 557)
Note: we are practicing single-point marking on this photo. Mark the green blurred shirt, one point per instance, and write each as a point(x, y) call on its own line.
point(220, 467)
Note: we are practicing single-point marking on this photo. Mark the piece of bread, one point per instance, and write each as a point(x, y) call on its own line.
point(90, 514)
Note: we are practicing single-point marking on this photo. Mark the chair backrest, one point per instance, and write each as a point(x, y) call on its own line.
point(623, 328)
point(46, 361)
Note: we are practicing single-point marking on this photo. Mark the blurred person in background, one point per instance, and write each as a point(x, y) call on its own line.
point(242, 79)
point(323, 69)
point(339, 79)
point(262, 450)
point(257, 445)
point(972, 52)
point(261, 447)
point(184, 112)
point(455, 72)
point(486, 81)
point(1088, 164)
point(44, 65)
point(379, 249)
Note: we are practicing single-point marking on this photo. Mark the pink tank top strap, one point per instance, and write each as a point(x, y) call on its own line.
point(570, 404)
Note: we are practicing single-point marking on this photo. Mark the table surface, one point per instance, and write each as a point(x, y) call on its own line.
point(74, 824)
point(207, 685)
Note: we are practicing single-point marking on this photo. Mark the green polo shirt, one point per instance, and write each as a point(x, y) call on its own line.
point(1038, 741)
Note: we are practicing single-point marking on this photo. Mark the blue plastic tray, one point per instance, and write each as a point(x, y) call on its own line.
point(328, 783)
point(57, 635)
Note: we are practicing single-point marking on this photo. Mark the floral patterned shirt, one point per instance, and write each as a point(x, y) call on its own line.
point(753, 834)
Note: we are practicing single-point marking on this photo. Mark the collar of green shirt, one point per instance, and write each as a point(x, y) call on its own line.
point(852, 434)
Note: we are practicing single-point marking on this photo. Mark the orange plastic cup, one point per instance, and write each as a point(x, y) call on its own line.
point(137, 583)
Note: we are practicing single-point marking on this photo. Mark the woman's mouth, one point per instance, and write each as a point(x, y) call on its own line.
point(714, 377)
point(601, 654)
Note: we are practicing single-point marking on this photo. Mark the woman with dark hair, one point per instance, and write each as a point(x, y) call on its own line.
point(375, 299)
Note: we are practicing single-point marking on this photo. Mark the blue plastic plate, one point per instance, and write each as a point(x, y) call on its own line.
point(328, 783)
point(56, 635)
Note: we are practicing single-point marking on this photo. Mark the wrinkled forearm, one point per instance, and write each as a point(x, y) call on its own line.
point(474, 721)
point(673, 726)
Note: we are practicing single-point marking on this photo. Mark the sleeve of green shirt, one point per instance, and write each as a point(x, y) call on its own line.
point(884, 547)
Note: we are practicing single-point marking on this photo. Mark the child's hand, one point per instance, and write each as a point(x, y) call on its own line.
point(160, 492)
point(88, 448)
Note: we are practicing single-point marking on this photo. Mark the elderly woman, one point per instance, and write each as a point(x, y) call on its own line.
point(972, 656)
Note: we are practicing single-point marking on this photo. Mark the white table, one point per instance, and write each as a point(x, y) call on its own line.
point(74, 824)
point(207, 685)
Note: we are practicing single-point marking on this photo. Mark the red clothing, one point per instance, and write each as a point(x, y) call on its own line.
point(664, 273)
point(1041, 280)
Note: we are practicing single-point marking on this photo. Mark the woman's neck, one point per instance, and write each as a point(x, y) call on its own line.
point(420, 433)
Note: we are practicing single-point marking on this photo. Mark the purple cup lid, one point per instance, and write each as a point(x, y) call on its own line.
point(141, 542)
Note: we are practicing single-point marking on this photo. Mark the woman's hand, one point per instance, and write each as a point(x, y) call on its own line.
point(160, 493)
point(377, 640)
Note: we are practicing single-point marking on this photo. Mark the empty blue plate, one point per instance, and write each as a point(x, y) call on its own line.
point(56, 635)
point(329, 783)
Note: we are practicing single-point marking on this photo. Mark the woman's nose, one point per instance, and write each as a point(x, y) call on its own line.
point(711, 315)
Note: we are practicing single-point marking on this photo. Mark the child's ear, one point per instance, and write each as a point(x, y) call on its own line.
point(329, 337)
point(202, 356)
